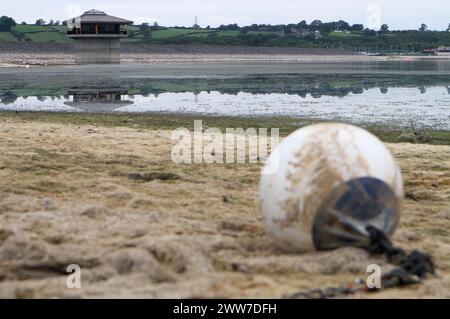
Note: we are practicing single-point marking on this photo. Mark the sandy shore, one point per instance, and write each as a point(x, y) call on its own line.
point(188, 231)
point(23, 59)
point(291, 58)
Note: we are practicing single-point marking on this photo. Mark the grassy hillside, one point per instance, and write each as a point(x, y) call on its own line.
point(32, 33)
point(7, 36)
point(402, 41)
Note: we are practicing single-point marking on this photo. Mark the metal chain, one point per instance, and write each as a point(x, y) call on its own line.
point(412, 269)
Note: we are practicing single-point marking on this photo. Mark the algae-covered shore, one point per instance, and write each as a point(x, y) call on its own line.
point(157, 121)
point(66, 197)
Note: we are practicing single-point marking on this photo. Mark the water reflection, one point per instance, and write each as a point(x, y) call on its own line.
point(422, 90)
point(316, 85)
point(98, 99)
point(360, 97)
point(8, 97)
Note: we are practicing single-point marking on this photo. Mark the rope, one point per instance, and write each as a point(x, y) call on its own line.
point(412, 269)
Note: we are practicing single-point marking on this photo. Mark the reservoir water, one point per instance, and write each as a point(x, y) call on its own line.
point(394, 94)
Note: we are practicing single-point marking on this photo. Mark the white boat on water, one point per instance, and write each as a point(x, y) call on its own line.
point(442, 51)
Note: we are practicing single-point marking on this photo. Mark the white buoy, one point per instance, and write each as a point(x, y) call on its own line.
point(331, 181)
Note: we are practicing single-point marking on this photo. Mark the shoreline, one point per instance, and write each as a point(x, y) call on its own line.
point(170, 121)
point(28, 60)
point(43, 59)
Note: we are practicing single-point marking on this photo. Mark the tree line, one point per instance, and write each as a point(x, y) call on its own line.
point(316, 34)
point(7, 23)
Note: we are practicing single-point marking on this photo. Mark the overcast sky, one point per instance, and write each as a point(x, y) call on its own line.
point(398, 14)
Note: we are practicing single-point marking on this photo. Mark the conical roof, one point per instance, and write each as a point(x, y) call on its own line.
point(97, 16)
point(94, 12)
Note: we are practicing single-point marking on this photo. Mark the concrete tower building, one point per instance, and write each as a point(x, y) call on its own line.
point(97, 37)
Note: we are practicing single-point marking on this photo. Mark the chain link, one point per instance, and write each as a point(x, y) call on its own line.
point(412, 269)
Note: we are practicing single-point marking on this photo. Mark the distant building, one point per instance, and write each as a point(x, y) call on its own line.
point(97, 37)
point(300, 32)
point(428, 51)
point(442, 50)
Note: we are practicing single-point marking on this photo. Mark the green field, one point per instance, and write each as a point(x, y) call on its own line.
point(228, 33)
point(33, 33)
point(30, 28)
point(7, 37)
point(49, 36)
point(167, 33)
point(345, 34)
point(172, 32)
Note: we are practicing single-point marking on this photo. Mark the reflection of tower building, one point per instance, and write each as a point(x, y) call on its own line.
point(97, 37)
point(98, 99)
point(99, 92)
point(111, 95)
